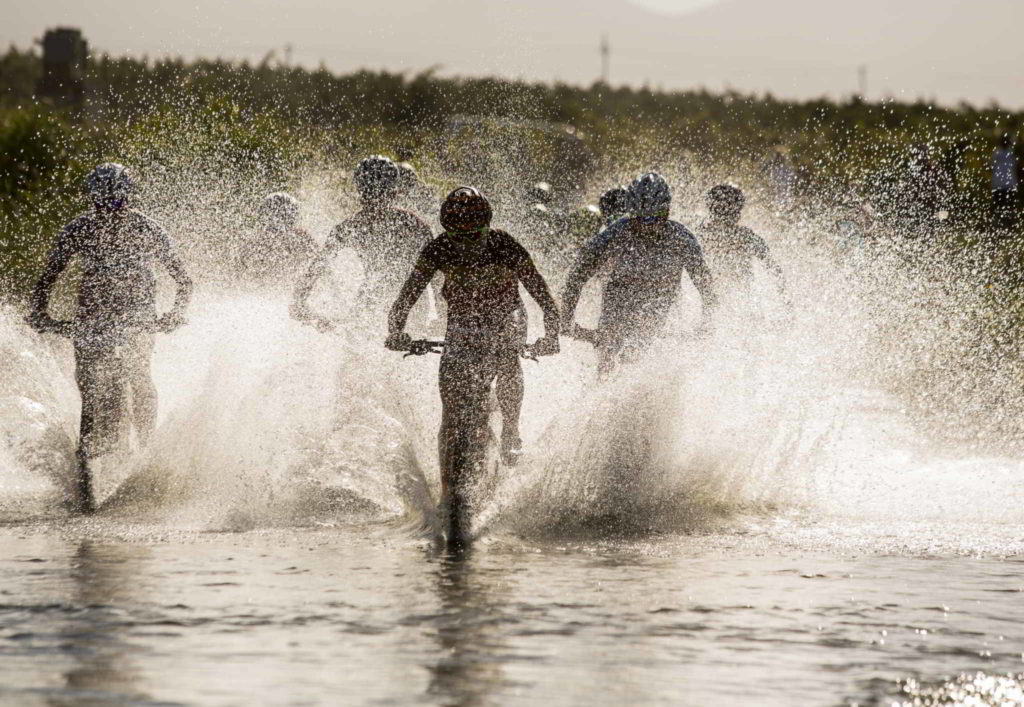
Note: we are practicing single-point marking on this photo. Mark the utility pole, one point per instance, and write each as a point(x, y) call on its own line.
point(862, 81)
point(606, 52)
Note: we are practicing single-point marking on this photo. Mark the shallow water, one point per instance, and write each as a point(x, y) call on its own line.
point(101, 612)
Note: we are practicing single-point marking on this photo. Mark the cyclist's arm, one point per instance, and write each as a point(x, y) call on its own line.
point(764, 255)
point(176, 268)
point(534, 283)
point(56, 262)
point(699, 273)
point(317, 268)
point(594, 254)
point(414, 286)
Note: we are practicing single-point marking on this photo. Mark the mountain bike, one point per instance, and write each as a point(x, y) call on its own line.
point(468, 448)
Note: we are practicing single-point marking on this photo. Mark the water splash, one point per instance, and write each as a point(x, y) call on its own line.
point(266, 422)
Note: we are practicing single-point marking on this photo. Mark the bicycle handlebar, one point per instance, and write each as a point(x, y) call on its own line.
point(422, 347)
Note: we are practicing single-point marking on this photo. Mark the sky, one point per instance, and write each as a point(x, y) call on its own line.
point(947, 50)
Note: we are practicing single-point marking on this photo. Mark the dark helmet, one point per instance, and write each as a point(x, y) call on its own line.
point(614, 203)
point(465, 209)
point(110, 184)
point(650, 195)
point(539, 193)
point(725, 200)
point(280, 210)
point(376, 178)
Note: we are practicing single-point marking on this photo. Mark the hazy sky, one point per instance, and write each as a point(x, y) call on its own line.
point(948, 49)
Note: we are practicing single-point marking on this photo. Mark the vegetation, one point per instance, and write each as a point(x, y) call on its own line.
point(269, 119)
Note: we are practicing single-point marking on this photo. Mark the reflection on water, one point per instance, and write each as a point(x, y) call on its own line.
point(104, 578)
point(99, 612)
point(468, 630)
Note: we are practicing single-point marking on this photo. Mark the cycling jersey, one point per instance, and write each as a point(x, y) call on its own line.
point(386, 240)
point(117, 252)
point(730, 251)
point(646, 265)
point(481, 282)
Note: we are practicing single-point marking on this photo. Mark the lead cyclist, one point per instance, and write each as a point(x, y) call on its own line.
point(484, 341)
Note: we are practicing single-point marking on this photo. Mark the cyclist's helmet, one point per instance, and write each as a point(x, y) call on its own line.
point(465, 209)
point(280, 211)
point(376, 178)
point(725, 200)
point(110, 185)
point(650, 196)
point(614, 203)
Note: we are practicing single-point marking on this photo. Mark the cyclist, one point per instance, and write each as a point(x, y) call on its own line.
point(484, 340)
point(647, 254)
point(614, 204)
point(112, 330)
point(385, 237)
point(730, 248)
point(281, 248)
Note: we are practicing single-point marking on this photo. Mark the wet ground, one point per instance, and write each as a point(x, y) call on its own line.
point(100, 612)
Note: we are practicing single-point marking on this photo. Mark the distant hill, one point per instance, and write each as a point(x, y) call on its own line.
point(945, 48)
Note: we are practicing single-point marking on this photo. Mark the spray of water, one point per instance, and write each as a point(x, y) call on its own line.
point(264, 421)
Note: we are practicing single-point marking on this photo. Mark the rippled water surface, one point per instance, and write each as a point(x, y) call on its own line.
point(96, 612)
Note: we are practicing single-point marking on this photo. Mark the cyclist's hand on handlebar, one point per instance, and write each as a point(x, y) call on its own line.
point(45, 324)
point(398, 341)
point(324, 326)
point(168, 322)
point(548, 346)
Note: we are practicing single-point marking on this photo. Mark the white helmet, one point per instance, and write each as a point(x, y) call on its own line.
point(280, 211)
point(110, 184)
point(650, 195)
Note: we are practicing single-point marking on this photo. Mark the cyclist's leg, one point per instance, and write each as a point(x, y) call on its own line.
point(101, 387)
point(465, 381)
point(137, 357)
point(510, 388)
point(102, 393)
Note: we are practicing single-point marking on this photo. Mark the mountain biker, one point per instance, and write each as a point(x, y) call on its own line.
point(386, 239)
point(731, 249)
point(280, 249)
point(541, 223)
point(484, 340)
point(647, 254)
point(112, 330)
point(614, 204)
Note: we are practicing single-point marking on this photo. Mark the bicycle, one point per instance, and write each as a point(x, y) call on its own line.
point(103, 382)
point(467, 446)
